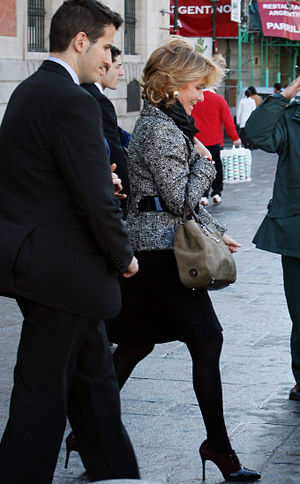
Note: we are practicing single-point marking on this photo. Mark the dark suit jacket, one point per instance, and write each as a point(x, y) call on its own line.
point(62, 239)
point(112, 133)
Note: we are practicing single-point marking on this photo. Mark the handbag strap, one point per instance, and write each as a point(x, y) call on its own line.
point(188, 210)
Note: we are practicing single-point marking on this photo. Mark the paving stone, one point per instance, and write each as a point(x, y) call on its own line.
point(159, 407)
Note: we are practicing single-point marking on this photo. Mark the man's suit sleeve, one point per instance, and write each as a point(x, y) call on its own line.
point(110, 123)
point(112, 134)
point(125, 137)
point(82, 158)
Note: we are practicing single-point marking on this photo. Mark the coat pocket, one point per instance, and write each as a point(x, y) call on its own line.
point(11, 245)
point(80, 240)
point(22, 259)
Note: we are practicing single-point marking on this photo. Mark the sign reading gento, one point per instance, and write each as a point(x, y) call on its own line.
point(195, 19)
point(280, 20)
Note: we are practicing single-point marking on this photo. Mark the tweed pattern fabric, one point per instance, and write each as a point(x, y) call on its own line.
point(159, 165)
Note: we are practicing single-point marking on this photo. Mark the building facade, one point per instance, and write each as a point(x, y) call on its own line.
point(24, 44)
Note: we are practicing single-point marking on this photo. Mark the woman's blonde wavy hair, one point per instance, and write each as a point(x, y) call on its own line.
point(173, 65)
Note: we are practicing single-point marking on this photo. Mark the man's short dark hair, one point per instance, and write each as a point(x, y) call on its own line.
point(75, 16)
point(114, 53)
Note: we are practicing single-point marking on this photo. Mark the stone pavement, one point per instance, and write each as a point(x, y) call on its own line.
point(159, 407)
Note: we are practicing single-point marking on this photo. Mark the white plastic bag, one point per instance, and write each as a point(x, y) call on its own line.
point(236, 165)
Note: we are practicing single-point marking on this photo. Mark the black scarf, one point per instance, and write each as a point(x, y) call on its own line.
point(184, 122)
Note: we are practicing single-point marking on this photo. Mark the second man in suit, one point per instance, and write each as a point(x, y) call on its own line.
point(116, 137)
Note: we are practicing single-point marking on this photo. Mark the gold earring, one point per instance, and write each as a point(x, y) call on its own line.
point(176, 94)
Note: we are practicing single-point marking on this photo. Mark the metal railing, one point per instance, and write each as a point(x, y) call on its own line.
point(130, 21)
point(35, 26)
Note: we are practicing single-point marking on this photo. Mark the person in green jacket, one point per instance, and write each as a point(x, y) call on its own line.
point(275, 127)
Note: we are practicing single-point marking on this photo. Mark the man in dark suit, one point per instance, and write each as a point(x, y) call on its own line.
point(116, 137)
point(62, 246)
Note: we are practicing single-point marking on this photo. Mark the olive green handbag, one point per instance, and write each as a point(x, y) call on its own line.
point(203, 259)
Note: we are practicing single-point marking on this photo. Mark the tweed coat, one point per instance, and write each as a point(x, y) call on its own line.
point(159, 165)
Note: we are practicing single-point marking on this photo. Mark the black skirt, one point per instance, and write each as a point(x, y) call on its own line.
point(157, 307)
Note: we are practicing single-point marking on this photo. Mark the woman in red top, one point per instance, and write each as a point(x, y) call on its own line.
point(210, 116)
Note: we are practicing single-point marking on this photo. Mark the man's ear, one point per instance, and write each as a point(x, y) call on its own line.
point(80, 41)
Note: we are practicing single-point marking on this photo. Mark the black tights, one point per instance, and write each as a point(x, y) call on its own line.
point(206, 381)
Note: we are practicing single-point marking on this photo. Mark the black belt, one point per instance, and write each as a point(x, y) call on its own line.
point(155, 204)
point(152, 204)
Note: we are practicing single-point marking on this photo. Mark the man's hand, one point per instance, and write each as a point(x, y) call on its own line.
point(232, 244)
point(117, 182)
point(237, 142)
point(292, 89)
point(132, 268)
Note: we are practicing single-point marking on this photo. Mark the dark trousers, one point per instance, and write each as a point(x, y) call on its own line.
point(217, 184)
point(64, 368)
point(291, 277)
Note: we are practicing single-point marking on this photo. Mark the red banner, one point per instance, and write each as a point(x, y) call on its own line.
point(195, 19)
point(280, 20)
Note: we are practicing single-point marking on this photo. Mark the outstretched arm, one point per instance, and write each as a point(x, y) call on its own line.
point(266, 127)
point(291, 90)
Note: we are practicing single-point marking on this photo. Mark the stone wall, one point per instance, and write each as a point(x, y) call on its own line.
point(16, 63)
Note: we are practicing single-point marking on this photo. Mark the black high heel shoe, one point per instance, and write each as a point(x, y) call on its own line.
point(228, 464)
point(71, 444)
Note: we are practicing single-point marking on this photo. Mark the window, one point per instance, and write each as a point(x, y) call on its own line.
point(129, 28)
point(133, 96)
point(35, 26)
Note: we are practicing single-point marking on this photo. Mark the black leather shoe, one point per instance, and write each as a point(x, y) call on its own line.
point(295, 393)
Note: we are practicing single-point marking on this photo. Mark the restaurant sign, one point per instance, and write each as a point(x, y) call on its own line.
point(280, 19)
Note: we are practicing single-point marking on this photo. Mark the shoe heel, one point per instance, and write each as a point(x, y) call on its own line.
point(203, 467)
point(71, 444)
point(68, 452)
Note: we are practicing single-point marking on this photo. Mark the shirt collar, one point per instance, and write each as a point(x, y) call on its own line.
point(99, 87)
point(67, 67)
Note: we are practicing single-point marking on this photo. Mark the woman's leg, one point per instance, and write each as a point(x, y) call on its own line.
point(127, 357)
point(207, 385)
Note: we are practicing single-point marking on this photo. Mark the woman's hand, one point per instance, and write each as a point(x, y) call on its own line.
point(232, 244)
point(201, 150)
point(117, 183)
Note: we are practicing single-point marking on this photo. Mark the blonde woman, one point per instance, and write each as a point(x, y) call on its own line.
point(164, 157)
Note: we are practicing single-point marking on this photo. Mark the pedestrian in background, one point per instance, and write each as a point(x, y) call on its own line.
point(277, 87)
point(117, 138)
point(244, 109)
point(210, 116)
point(256, 98)
point(275, 127)
point(62, 244)
point(163, 160)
